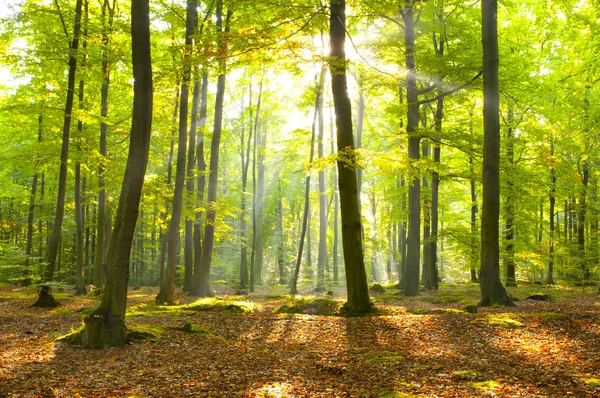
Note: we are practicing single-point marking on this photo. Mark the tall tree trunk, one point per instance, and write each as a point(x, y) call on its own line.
point(209, 231)
point(305, 215)
point(30, 214)
point(474, 256)
point(410, 285)
point(79, 273)
point(432, 270)
point(256, 263)
point(509, 229)
point(260, 197)
point(553, 177)
point(356, 277)
point(426, 220)
point(106, 325)
point(167, 289)
point(322, 255)
point(245, 158)
point(201, 176)
point(581, 220)
point(101, 245)
point(280, 245)
point(64, 154)
point(336, 208)
point(492, 290)
point(189, 187)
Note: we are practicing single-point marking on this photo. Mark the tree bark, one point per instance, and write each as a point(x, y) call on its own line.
point(410, 285)
point(322, 255)
point(201, 176)
point(204, 289)
point(64, 154)
point(167, 289)
point(189, 187)
point(106, 325)
point(356, 277)
point(509, 212)
point(101, 246)
point(305, 214)
point(492, 290)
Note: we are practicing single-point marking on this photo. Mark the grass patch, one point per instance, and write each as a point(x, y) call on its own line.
point(396, 394)
point(311, 306)
point(550, 315)
point(381, 356)
point(436, 311)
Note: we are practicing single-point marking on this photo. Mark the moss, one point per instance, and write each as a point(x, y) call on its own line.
point(592, 382)
point(550, 315)
point(465, 375)
point(138, 332)
point(396, 394)
point(216, 304)
point(73, 337)
point(484, 385)
point(189, 328)
point(382, 356)
point(312, 306)
point(500, 320)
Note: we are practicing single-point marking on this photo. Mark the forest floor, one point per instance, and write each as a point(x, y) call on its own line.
point(242, 347)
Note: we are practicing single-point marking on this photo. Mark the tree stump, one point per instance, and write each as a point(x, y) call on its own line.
point(45, 298)
point(540, 297)
point(93, 333)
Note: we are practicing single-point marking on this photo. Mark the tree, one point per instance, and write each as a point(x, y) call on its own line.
point(492, 290)
point(356, 277)
point(167, 289)
point(203, 288)
point(106, 325)
point(45, 298)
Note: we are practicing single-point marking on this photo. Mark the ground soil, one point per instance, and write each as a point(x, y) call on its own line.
point(414, 347)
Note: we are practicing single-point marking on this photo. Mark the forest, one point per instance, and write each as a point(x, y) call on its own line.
point(386, 198)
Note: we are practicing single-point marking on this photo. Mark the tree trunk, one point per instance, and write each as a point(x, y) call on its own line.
point(336, 209)
point(280, 245)
point(410, 285)
point(101, 245)
point(474, 257)
point(305, 215)
point(106, 325)
point(356, 277)
point(322, 255)
point(79, 273)
point(64, 154)
point(432, 270)
point(245, 158)
point(201, 176)
point(260, 195)
point(30, 214)
point(209, 231)
point(426, 220)
point(581, 219)
point(492, 290)
point(550, 274)
point(256, 263)
point(509, 229)
point(167, 289)
point(189, 187)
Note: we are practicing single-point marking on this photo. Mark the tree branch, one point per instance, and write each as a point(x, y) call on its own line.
point(450, 92)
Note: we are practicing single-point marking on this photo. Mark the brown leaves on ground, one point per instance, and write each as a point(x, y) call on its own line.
point(411, 348)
